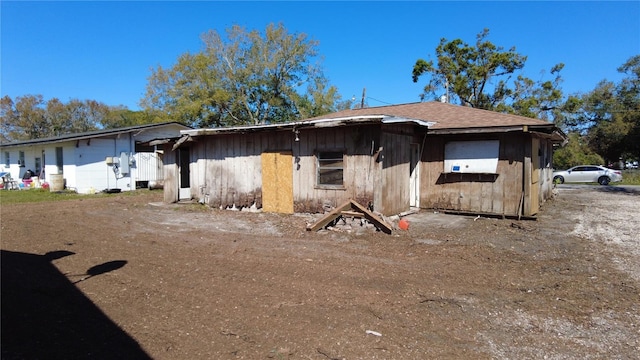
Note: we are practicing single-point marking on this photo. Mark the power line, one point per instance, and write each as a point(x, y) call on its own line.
point(380, 101)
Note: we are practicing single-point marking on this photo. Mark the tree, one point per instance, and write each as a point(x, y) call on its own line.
point(609, 115)
point(576, 152)
point(251, 78)
point(120, 116)
point(23, 119)
point(30, 117)
point(480, 76)
point(468, 70)
point(629, 96)
point(320, 99)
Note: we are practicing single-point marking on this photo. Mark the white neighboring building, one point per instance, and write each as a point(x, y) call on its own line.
point(93, 161)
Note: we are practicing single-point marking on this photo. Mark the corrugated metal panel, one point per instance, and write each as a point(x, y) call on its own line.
point(148, 166)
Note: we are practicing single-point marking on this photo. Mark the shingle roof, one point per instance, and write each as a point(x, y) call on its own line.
point(444, 115)
point(440, 118)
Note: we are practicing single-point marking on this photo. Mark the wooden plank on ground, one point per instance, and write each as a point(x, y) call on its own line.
point(360, 211)
point(325, 220)
point(379, 223)
point(355, 214)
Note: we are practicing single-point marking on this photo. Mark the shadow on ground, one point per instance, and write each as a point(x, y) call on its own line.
point(44, 316)
point(629, 190)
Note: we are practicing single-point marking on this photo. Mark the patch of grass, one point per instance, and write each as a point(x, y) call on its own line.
point(630, 177)
point(43, 195)
point(36, 195)
point(193, 208)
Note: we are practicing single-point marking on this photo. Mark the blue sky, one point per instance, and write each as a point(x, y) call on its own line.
point(104, 50)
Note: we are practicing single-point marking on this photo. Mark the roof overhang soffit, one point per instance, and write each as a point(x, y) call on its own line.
point(182, 140)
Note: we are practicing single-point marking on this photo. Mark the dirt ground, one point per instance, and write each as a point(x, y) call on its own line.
point(125, 276)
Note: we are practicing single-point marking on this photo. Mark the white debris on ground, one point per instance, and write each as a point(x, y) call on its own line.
point(615, 222)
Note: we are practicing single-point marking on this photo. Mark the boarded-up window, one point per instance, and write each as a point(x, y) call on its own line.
point(330, 168)
point(480, 157)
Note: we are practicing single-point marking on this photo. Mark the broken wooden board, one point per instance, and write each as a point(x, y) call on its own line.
point(327, 219)
point(346, 207)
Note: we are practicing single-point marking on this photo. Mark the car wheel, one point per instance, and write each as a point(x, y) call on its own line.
point(558, 180)
point(604, 180)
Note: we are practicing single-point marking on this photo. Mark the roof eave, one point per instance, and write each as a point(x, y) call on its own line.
point(477, 130)
point(320, 123)
point(87, 135)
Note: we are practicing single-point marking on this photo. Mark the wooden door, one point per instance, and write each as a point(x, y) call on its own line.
point(535, 176)
point(414, 176)
point(184, 178)
point(277, 182)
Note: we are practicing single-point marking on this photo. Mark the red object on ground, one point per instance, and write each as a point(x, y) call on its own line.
point(403, 224)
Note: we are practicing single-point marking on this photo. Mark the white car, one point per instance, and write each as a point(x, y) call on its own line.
point(587, 174)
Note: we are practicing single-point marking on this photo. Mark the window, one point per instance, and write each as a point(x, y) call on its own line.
point(7, 159)
point(21, 158)
point(38, 165)
point(330, 168)
point(59, 161)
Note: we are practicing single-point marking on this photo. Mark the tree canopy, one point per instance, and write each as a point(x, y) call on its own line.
point(247, 78)
point(603, 124)
point(608, 117)
point(482, 76)
point(30, 117)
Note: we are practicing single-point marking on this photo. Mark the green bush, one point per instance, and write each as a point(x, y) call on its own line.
point(575, 153)
point(630, 177)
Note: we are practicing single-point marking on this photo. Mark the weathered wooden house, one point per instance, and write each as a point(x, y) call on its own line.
point(391, 158)
point(93, 161)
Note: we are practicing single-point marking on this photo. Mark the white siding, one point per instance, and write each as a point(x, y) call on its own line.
point(85, 169)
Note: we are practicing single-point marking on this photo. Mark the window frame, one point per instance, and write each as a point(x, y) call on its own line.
point(319, 159)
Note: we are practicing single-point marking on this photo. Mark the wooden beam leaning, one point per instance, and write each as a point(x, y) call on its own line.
point(325, 220)
point(378, 222)
point(344, 210)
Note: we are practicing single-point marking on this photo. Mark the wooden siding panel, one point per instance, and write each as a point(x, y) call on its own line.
point(510, 169)
point(229, 172)
point(497, 188)
point(358, 184)
point(395, 170)
point(304, 173)
point(486, 197)
point(498, 193)
point(170, 170)
point(228, 168)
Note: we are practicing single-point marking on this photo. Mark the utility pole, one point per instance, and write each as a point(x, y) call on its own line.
point(446, 84)
point(364, 91)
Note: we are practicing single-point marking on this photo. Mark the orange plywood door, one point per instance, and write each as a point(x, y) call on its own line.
point(277, 182)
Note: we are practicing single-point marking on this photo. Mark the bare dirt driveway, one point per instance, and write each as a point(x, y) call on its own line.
point(124, 276)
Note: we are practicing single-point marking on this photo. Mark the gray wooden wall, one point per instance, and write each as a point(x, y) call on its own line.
point(500, 194)
point(227, 169)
